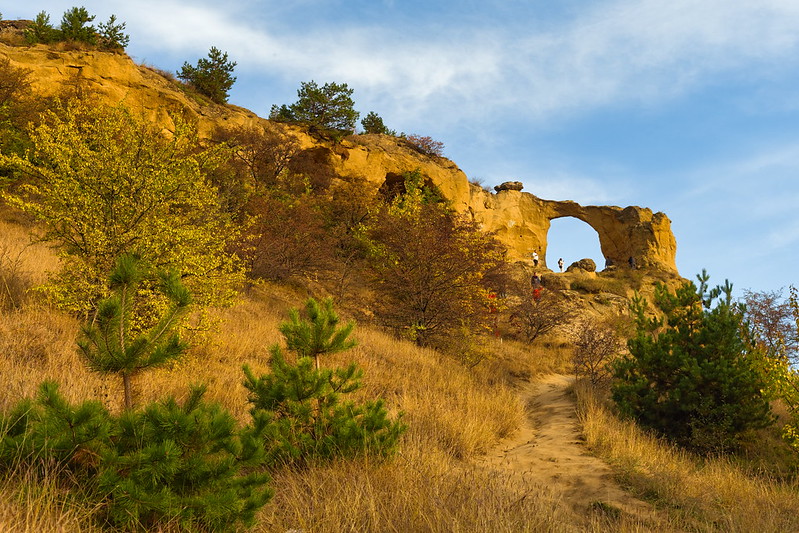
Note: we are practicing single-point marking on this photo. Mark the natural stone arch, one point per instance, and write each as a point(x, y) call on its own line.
point(522, 221)
point(573, 227)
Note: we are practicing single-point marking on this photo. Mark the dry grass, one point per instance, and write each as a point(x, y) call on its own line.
point(22, 265)
point(420, 491)
point(712, 495)
point(29, 505)
point(453, 413)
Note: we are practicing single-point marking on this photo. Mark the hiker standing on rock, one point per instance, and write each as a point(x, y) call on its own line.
point(560, 264)
point(535, 258)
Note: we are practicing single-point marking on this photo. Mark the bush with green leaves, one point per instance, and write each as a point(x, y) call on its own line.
point(325, 108)
point(694, 375)
point(308, 419)
point(212, 76)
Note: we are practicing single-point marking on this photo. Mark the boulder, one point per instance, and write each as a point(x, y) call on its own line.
point(586, 265)
point(555, 282)
point(509, 186)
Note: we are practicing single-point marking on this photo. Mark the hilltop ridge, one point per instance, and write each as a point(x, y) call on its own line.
point(520, 220)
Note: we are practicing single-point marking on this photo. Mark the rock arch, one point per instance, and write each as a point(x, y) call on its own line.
point(522, 221)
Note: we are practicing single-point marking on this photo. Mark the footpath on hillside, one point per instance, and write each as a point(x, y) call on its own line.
point(548, 452)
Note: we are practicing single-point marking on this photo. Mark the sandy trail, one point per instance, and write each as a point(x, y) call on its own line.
point(548, 452)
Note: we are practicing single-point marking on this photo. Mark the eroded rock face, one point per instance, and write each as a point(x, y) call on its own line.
point(519, 219)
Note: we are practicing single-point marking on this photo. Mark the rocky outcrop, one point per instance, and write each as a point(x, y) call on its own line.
point(519, 219)
point(509, 186)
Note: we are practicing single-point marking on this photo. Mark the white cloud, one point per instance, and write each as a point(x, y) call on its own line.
point(612, 52)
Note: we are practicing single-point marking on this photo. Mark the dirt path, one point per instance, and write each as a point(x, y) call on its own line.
point(548, 452)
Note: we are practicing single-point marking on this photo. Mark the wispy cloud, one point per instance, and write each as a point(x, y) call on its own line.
point(611, 52)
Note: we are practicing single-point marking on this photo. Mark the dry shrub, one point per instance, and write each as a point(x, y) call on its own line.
point(596, 344)
point(287, 240)
point(711, 495)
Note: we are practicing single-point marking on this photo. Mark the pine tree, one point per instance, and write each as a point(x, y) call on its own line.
point(303, 404)
point(213, 76)
point(187, 464)
point(329, 107)
point(49, 431)
point(373, 123)
point(111, 342)
point(319, 333)
point(694, 375)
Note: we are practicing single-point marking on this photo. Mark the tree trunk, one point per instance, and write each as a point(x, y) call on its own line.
point(126, 387)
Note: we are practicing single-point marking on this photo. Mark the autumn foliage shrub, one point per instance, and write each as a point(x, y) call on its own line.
point(425, 145)
point(432, 268)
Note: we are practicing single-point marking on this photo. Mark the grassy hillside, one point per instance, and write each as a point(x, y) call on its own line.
point(439, 335)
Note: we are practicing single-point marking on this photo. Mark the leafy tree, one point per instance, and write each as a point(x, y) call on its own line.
point(372, 123)
point(17, 108)
point(41, 30)
point(433, 269)
point(694, 375)
point(105, 183)
point(112, 345)
point(260, 157)
point(112, 35)
point(329, 107)
point(303, 401)
point(782, 368)
point(75, 26)
point(286, 239)
point(212, 77)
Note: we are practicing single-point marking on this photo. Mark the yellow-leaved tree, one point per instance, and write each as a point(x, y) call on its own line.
point(105, 182)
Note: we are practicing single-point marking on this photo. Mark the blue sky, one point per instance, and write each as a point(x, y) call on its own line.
point(690, 107)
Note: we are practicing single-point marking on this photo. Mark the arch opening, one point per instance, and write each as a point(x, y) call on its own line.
point(572, 239)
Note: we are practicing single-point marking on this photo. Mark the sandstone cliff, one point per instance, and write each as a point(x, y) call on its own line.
point(519, 219)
